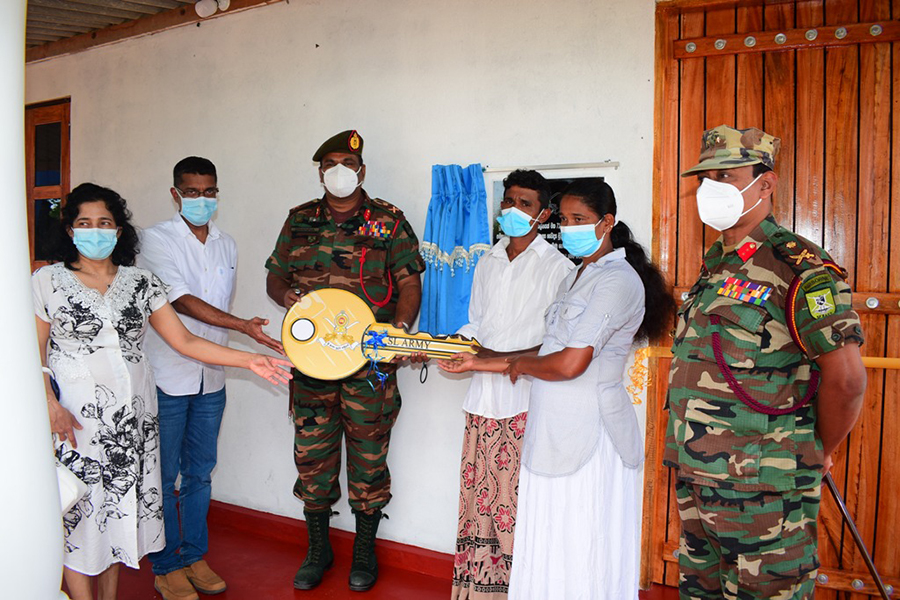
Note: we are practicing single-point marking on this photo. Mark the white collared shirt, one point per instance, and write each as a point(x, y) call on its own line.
point(603, 309)
point(206, 271)
point(506, 313)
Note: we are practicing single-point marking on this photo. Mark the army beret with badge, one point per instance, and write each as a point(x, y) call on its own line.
point(345, 142)
point(723, 147)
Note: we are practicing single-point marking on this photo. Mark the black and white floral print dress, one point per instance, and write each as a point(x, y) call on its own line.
point(106, 383)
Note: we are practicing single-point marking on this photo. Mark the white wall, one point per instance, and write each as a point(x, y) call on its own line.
point(502, 83)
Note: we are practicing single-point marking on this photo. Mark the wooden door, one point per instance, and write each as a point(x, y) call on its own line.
point(820, 75)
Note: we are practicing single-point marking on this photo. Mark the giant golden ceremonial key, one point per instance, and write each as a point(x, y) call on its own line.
point(331, 334)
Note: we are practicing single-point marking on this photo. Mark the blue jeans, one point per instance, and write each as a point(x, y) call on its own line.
point(188, 431)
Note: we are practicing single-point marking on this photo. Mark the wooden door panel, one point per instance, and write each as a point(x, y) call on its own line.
point(874, 159)
point(666, 154)
point(749, 107)
point(886, 554)
point(780, 110)
point(863, 454)
point(720, 89)
point(809, 212)
point(873, 217)
point(841, 131)
point(690, 242)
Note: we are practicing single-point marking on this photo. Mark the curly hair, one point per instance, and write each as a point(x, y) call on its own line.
point(659, 304)
point(127, 245)
point(530, 180)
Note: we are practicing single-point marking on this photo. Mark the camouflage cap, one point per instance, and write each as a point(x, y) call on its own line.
point(347, 142)
point(726, 148)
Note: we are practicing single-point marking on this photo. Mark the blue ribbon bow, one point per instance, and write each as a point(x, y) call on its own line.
point(372, 341)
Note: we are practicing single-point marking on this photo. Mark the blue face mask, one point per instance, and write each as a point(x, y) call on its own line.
point(198, 211)
point(514, 222)
point(95, 244)
point(580, 240)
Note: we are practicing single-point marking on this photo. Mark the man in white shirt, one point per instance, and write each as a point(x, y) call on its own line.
point(514, 284)
point(197, 261)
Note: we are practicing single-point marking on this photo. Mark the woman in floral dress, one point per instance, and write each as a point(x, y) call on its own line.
point(92, 310)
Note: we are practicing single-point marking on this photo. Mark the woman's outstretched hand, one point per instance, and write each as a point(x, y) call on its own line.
point(458, 363)
point(267, 367)
point(62, 422)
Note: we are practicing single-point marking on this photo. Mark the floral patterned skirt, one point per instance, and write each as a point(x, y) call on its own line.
point(488, 494)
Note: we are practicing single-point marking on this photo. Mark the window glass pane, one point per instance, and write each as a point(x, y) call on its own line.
point(47, 154)
point(46, 226)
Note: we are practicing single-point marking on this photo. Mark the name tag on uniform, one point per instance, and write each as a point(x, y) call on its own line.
point(310, 235)
point(374, 229)
point(745, 291)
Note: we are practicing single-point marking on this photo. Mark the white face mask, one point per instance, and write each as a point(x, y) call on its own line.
point(340, 181)
point(720, 204)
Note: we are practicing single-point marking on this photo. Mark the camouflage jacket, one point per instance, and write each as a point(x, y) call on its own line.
point(314, 252)
point(776, 302)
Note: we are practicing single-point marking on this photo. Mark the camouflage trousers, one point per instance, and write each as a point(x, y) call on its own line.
point(326, 411)
point(747, 545)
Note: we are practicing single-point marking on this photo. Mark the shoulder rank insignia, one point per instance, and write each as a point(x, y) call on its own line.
point(804, 255)
point(745, 291)
point(799, 253)
point(384, 205)
point(303, 206)
point(747, 250)
point(375, 229)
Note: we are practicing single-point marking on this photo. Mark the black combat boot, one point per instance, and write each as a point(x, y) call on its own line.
point(319, 558)
point(364, 570)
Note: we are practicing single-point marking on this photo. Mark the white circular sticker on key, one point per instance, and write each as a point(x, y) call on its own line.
point(303, 330)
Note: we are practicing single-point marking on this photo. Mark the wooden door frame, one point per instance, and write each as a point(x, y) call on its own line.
point(663, 247)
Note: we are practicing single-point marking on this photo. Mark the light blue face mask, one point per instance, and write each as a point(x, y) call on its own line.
point(515, 222)
point(95, 244)
point(198, 211)
point(580, 240)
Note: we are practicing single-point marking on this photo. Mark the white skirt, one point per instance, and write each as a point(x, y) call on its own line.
point(578, 536)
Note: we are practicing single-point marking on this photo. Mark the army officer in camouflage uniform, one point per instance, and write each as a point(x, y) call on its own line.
point(350, 241)
point(765, 383)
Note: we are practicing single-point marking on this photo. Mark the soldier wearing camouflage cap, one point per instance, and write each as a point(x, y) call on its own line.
point(766, 381)
point(351, 241)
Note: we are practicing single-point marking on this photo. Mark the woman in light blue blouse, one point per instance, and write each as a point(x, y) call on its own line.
point(578, 524)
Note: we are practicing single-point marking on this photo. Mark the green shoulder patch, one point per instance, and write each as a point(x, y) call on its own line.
point(821, 303)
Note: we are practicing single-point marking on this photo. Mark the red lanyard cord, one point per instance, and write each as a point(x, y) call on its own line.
point(390, 290)
point(742, 394)
point(362, 261)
